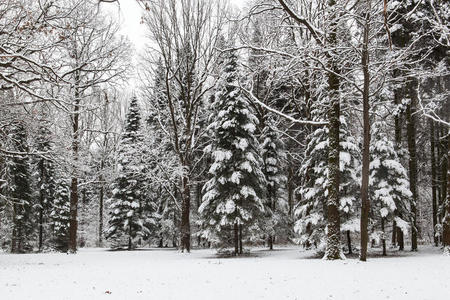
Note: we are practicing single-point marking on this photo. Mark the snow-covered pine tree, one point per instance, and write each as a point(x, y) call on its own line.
point(45, 184)
point(59, 216)
point(311, 210)
point(388, 185)
point(19, 190)
point(234, 196)
point(273, 156)
point(126, 221)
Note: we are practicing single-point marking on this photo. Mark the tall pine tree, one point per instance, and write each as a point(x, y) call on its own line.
point(126, 216)
point(233, 199)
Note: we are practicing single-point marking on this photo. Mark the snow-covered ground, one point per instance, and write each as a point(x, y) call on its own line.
point(288, 273)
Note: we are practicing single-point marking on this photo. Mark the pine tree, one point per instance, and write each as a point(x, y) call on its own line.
point(311, 210)
point(388, 184)
point(273, 156)
point(59, 216)
point(45, 184)
point(20, 190)
point(233, 199)
point(126, 217)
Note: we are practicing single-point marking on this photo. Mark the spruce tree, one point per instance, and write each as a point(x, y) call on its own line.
point(127, 222)
point(311, 210)
point(273, 156)
point(46, 185)
point(59, 216)
point(234, 196)
point(388, 184)
point(20, 190)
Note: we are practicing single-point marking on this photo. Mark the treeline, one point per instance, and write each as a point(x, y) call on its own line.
point(318, 125)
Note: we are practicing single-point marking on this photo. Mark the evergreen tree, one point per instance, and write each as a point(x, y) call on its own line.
point(59, 216)
point(311, 210)
point(127, 203)
point(45, 183)
point(388, 184)
point(233, 196)
point(20, 190)
point(273, 156)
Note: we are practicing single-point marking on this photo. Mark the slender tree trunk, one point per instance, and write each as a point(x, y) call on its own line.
point(433, 181)
point(240, 239)
point(365, 202)
point(73, 222)
point(398, 235)
point(185, 212)
point(100, 214)
point(383, 241)
point(410, 114)
point(394, 234)
point(349, 242)
point(129, 236)
point(446, 219)
point(236, 239)
point(41, 209)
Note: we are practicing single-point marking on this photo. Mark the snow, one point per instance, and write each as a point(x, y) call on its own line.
point(287, 273)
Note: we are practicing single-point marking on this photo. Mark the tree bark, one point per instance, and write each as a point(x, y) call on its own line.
point(333, 248)
point(394, 234)
point(365, 202)
point(349, 242)
point(73, 222)
point(41, 209)
point(446, 219)
point(433, 180)
point(383, 240)
point(411, 131)
point(236, 239)
point(185, 213)
point(240, 239)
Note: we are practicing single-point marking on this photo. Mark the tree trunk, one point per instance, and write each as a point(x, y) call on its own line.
point(73, 222)
point(394, 234)
point(185, 211)
point(236, 239)
point(100, 214)
point(240, 239)
point(446, 220)
point(410, 114)
point(41, 210)
point(349, 242)
point(333, 247)
point(383, 240)
point(433, 181)
point(365, 202)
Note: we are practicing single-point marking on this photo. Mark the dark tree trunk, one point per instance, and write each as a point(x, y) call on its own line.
point(433, 181)
point(73, 221)
point(236, 239)
point(383, 241)
point(411, 117)
point(41, 210)
point(365, 202)
point(446, 219)
point(100, 214)
point(349, 242)
point(333, 248)
point(185, 212)
point(400, 240)
point(240, 239)
point(394, 234)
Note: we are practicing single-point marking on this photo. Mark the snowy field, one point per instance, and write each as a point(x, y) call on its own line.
point(288, 273)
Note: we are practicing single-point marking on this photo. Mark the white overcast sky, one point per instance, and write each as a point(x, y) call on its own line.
point(129, 14)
